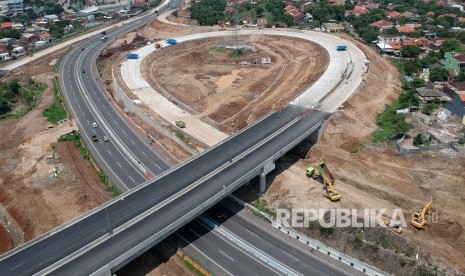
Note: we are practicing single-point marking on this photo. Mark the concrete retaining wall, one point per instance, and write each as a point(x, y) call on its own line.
point(413, 150)
point(130, 106)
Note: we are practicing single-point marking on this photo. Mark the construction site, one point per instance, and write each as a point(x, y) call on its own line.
point(228, 90)
point(215, 86)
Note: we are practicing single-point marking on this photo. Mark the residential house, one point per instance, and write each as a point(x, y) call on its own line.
point(68, 29)
point(394, 14)
point(412, 16)
point(43, 36)
point(454, 61)
point(457, 6)
point(18, 51)
point(294, 12)
point(51, 18)
point(389, 44)
point(450, 15)
point(140, 3)
point(17, 26)
point(332, 27)
point(357, 11)
point(456, 91)
point(11, 6)
point(6, 40)
point(6, 25)
point(432, 48)
point(336, 2)
point(430, 36)
point(28, 36)
point(382, 24)
point(371, 5)
point(430, 93)
point(4, 55)
point(405, 28)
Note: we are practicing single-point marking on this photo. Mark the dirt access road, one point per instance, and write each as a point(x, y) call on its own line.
point(375, 176)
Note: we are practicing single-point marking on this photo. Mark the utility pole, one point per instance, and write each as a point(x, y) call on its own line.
point(236, 23)
point(110, 229)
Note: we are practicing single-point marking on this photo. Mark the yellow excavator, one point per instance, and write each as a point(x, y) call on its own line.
point(418, 219)
point(394, 227)
point(327, 178)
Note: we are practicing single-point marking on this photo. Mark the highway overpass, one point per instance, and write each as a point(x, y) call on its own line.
point(154, 210)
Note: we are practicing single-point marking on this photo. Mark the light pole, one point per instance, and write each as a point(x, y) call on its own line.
point(106, 210)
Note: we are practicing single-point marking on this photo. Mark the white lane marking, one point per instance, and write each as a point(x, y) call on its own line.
point(133, 142)
point(79, 106)
point(88, 121)
point(251, 232)
point(109, 152)
point(290, 255)
point(119, 164)
point(240, 248)
point(145, 154)
point(198, 250)
point(83, 114)
point(226, 255)
point(132, 179)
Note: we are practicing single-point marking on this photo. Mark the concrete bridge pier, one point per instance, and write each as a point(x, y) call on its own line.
point(268, 167)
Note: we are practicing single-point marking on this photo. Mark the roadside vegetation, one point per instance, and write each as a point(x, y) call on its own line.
point(392, 125)
point(75, 138)
point(261, 205)
point(208, 12)
point(17, 98)
point(56, 111)
point(211, 12)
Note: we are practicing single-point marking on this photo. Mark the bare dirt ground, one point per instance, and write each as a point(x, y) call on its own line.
point(32, 200)
point(375, 176)
point(206, 77)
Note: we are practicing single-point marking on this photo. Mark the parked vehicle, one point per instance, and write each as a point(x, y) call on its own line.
point(94, 125)
point(94, 138)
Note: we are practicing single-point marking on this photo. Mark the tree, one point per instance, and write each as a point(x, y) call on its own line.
point(410, 51)
point(439, 74)
point(407, 99)
point(418, 140)
point(411, 68)
point(4, 107)
point(461, 75)
point(461, 36)
point(208, 12)
point(369, 34)
point(259, 11)
point(14, 86)
point(450, 45)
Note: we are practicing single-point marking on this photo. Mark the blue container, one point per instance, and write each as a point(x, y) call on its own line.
point(341, 47)
point(132, 56)
point(171, 41)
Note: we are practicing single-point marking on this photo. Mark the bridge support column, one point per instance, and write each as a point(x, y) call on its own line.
point(269, 166)
point(322, 130)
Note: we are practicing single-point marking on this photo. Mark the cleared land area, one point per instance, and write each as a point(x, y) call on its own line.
point(226, 87)
point(32, 200)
